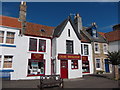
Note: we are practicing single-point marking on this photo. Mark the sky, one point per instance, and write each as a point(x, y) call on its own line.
point(105, 14)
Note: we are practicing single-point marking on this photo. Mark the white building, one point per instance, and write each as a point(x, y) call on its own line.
point(27, 56)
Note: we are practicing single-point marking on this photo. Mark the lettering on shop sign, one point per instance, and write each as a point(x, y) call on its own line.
point(84, 57)
point(37, 56)
point(69, 56)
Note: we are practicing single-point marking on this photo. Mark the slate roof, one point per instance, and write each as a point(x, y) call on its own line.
point(100, 38)
point(32, 29)
point(59, 29)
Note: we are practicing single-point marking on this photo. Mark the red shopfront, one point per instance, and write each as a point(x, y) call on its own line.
point(64, 63)
point(85, 64)
point(36, 65)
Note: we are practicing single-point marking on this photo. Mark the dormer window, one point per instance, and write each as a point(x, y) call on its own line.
point(42, 30)
point(94, 33)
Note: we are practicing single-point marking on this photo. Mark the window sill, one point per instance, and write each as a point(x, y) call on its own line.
point(35, 75)
point(7, 45)
point(37, 52)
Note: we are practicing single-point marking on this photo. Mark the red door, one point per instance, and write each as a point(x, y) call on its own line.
point(64, 69)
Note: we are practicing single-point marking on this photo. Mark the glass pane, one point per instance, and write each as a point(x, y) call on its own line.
point(1, 39)
point(7, 61)
point(33, 44)
point(69, 46)
point(9, 40)
point(1, 33)
point(10, 34)
point(42, 45)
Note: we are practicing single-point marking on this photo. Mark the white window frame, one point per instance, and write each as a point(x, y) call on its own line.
point(100, 64)
point(5, 37)
point(98, 48)
point(105, 52)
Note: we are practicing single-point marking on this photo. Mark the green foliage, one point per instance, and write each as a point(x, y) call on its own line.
point(114, 57)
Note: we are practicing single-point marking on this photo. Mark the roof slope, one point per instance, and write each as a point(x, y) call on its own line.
point(59, 29)
point(31, 29)
point(100, 38)
point(113, 36)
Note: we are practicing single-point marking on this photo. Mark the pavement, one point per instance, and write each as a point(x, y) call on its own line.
point(88, 81)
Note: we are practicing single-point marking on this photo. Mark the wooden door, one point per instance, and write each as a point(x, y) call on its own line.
point(64, 69)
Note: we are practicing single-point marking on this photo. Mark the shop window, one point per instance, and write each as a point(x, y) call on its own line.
point(96, 47)
point(74, 64)
point(10, 37)
point(8, 61)
point(36, 67)
point(97, 63)
point(1, 36)
point(33, 44)
point(85, 66)
point(69, 47)
point(86, 50)
point(42, 45)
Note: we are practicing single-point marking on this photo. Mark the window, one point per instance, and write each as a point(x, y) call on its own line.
point(69, 47)
point(36, 67)
point(81, 48)
point(10, 37)
point(86, 50)
point(94, 33)
point(1, 36)
point(97, 63)
point(33, 44)
point(8, 61)
point(74, 64)
point(42, 45)
point(0, 60)
point(96, 47)
point(85, 66)
point(68, 32)
point(105, 48)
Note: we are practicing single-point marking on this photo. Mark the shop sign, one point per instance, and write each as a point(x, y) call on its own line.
point(37, 56)
point(69, 56)
point(85, 58)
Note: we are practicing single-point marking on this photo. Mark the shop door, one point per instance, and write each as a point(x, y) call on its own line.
point(106, 66)
point(64, 69)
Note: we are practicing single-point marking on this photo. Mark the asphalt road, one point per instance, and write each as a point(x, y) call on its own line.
point(85, 82)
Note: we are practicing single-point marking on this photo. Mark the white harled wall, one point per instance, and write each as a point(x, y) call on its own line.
point(61, 49)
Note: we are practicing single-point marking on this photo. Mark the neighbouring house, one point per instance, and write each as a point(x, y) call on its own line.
point(27, 56)
point(113, 38)
point(99, 48)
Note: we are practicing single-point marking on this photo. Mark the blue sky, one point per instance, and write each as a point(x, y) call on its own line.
point(105, 14)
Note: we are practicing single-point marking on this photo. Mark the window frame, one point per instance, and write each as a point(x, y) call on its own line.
point(7, 60)
point(69, 34)
point(70, 41)
point(99, 63)
point(38, 67)
point(105, 51)
point(73, 63)
point(2, 36)
point(37, 45)
point(8, 37)
point(97, 47)
point(87, 49)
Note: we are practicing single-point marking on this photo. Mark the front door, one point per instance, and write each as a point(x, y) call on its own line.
point(106, 66)
point(64, 69)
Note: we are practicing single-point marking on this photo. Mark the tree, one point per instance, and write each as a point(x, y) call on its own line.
point(114, 58)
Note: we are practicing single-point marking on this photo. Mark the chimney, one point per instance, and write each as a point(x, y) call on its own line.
point(78, 22)
point(22, 17)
